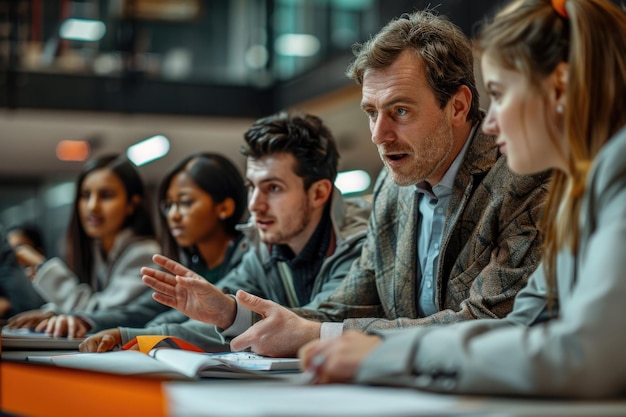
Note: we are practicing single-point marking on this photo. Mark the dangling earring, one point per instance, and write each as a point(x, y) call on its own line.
point(560, 109)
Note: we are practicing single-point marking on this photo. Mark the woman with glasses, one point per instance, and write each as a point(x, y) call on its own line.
point(110, 236)
point(201, 199)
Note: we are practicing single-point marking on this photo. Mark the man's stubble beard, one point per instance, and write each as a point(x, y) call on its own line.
point(432, 153)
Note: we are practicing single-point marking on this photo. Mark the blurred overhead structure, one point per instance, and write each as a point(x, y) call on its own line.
point(234, 58)
point(113, 72)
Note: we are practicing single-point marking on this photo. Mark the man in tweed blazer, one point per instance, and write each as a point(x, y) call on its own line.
point(453, 234)
point(490, 246)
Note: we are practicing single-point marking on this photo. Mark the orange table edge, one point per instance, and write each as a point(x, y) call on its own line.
point(36, 390)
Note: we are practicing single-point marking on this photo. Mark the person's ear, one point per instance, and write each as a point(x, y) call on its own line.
point(320, 192)
point(135, 200)
point(559, 80)
point(226, 208)
point(460, 104)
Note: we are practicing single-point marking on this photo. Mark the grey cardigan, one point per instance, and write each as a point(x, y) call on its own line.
point(577, 353)
point(115, 281)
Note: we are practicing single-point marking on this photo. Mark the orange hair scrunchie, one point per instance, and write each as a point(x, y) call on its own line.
point(559, 7)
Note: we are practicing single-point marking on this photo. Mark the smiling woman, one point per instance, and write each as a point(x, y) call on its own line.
point(110, 237)
point(201, 200)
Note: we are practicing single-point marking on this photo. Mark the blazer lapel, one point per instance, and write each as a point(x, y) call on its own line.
point(404, 282)
point(481, 155)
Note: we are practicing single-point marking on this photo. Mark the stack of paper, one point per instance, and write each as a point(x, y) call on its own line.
point(176, 363)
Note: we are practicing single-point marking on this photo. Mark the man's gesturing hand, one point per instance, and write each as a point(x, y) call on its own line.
point(188, 292)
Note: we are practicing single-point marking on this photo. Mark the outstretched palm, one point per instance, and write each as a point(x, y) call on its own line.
point(188, 292)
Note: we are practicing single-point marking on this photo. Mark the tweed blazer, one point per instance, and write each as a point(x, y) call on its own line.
point(490, 245)
point(577, 351)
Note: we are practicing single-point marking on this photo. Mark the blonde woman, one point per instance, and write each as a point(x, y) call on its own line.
point(556, 75)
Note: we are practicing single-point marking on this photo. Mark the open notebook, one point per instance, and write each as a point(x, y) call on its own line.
point(177, 363)
point(25, 339)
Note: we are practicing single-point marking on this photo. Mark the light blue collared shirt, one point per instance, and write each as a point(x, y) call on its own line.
point(433, 207)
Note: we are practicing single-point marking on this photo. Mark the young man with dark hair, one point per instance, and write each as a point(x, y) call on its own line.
point(305, 236)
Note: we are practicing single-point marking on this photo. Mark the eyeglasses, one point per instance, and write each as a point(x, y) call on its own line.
point(183, 207)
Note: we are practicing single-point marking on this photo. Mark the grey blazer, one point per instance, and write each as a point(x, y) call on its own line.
point(579, 352)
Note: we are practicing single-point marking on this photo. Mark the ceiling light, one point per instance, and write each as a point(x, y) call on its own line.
point(294, 44)
point(73, 150)
point(352, 181)
point(82, 30)
point(148, 150)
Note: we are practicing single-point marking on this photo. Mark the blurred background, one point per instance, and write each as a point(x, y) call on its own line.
point(83, 78)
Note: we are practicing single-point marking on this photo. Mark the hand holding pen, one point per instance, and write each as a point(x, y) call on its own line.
point(337, 360)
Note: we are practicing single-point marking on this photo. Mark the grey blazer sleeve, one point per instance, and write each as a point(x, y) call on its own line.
point(205, 336)
point(169, 316)
point(136, 313)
